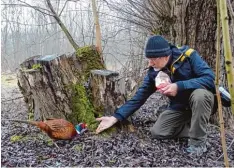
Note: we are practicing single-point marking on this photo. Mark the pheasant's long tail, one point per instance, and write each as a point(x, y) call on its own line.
point(22, 121)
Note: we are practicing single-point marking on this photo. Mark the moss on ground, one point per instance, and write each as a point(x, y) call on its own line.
point(18, 138)
point(9, 80)
point(49, 142)
point(78, 147)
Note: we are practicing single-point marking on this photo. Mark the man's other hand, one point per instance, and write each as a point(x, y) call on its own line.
point(170, 90)
point(106, 122)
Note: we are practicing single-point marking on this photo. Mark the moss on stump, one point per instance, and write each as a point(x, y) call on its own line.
point(83, 109)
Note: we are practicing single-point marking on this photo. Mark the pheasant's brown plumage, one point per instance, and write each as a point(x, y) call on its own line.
point(55, 128)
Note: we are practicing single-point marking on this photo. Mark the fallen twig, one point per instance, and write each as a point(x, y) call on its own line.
point(227, 149)
point(3, 101)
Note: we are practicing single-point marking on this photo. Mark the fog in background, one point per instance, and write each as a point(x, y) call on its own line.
point(27, 32)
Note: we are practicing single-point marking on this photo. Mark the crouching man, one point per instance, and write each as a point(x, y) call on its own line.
point(191, 94)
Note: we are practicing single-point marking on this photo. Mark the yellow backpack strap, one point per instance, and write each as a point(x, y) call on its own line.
point(181, 58)
point(172, 65)
point(189, 52)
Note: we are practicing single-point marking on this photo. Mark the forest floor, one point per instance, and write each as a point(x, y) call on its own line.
point(23, 145)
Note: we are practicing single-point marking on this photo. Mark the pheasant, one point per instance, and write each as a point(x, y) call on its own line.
point(57, 129)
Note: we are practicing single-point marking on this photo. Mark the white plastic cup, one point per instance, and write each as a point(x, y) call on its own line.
point(222, 90)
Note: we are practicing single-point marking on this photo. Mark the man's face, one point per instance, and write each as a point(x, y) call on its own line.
point(158, 63)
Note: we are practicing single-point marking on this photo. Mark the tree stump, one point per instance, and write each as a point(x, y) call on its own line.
point(108, 91)
point(61, 87)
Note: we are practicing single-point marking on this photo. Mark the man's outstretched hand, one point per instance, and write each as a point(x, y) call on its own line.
point(106, 122)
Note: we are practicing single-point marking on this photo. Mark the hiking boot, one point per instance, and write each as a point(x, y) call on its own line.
point(196, 150)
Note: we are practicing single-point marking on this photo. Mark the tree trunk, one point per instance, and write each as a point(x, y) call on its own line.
point(97, 25)
point(195, 25)
point(57, 87)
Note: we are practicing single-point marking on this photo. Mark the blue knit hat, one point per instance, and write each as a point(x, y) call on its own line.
point(157, 46)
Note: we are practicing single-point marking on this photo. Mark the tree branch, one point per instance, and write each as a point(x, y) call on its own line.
point(30, 6)
point(63, 8)
point(63, 27)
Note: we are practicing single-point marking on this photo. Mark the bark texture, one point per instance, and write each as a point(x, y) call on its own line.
point(108, 91)
point(195, 25)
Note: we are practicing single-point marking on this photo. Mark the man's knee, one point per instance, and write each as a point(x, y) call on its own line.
point(203, 96)
point(169, 124)
point(159, 130)
point(159, 135)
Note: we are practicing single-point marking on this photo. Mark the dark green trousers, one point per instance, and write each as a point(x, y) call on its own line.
point(191, 124)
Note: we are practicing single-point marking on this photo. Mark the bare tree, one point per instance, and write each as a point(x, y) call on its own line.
point(41, 35)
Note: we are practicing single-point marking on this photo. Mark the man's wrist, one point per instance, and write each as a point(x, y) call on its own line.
point(118, 116)
point(114, 120)
point(180, 85)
